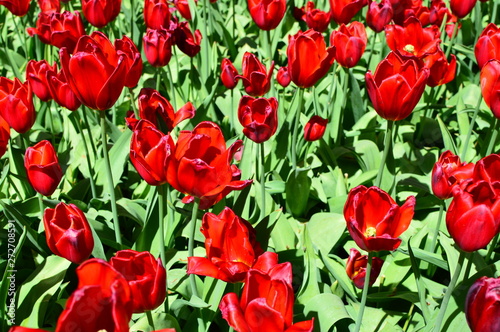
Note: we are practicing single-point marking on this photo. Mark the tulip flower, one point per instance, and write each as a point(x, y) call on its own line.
point(256, 80)
point(158, 46)
point(482, 305)
point(231, 247)
point(350, 43)
point(343, 11)
point(487, 169)
point(16, 7)
point(4, 136)
point(490, 85)
point(132, 59)
point(374, 220)
point(267, 14)
point(201, 165)
point(96, 72)
point(438, 11)
point(146, 277)
point(449, 172)
point(396, 87)
point(49, 6)
point(100, 12)
point(186, 41)
point(228, 74)
point(356, 268)
point(473, 218)
point(440, 70)
point(61, 92)
point(308, 58)
point(42, 168)
point(488, 45)
point(400, 9)
point(461, 8)
point(315, 19)
point(182, 7)
point(24, 329)
point(379, 15)
point(104, 294)
point(36, 74)
point(283, 77)
point(68, 232)
point(315, 128)
point(156, 14)
point(259, 117)
point(16, 104)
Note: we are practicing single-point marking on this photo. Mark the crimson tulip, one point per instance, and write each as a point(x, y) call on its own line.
point(16, 7)
point(490, 85)
point(42, 167)
point(374, 220)
point(36, 74)
point(315, 128)
point(156, 14)
point(100, 12)
point(186, 41)
point(461, 8)
point(256, 80)
point(132, 59)
point(49, 6)
point(315, 18)
point(16, 104)
point(283, 77)
point(228, 74)
point(4, 136)
point(344, 10)
point(350, 43)
point(182, 7)
point(231, 247)
point(201, 165)
point(482, 305)
point(68, 232)
point(438, 11)
point(267, 14)
point(96, 72)
point(61, 92)
point(356, 268)
point(308, 58)
point(146, 277)
point(24, 329)
point(259, 117)
point(396, 87)
point(379, 15)
point(487, 169)
point(401, 7)
point(440, 70)
point(449, 172)
point(158, 46)
point(488, 45)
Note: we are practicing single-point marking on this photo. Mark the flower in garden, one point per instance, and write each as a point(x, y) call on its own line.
point(315, 18)
point(350, 43)
point(182, 7)
point(356, 268)
point(96, 72)
point(146, 277)
point(156, 14)
point(401, 7)
point(228, 74)
point(158, 46)
point(308, 58)
point(256, 79)
point(36, 74)
point(16, 104)
point(100, 12)
point(315, 128)
point(61, 92)
point(267, 14)
point(344, 10)
point(490, 85)
point(487, 169)
point(283, 77)
point(49, 6)
point(132, 58)
point(259, 117)
point(24, 329)
point(16, 7)
point(488, 45)
point(231, 247)
point(4, 136)
point(440, 70)
point(396, 86)
point(374, 220)
point(201, 165)
point(186, 41)
point(461, 8)
point(449, 172)
point(482, 305)
point(42, 167)
point(68, 232)
point(379, 14)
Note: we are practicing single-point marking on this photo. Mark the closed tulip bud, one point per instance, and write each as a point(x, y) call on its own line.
point(490, 85)
point(267, 14)
point(4, 136)
point(256, 80)
point(132, 58)
point(228, 74)
point(49, 6)
point(156, 14)
point(16, 104)
point(100, 12)
point(449, 172)
point(379, 15)
point(350, 43)
point(461, 8)
point(36, 74)
point(488, 45)
point(283, 77)
point(315, 128)
point(356, 268)
point(344, 10)
point(68, 232)
point(16, 7)
point(259, 117)
point(42, 168)
point(158, 47)
point(186, 41)
point(482, 305)
point(61, 92)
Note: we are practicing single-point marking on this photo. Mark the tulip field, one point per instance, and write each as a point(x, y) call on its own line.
point(249, 165)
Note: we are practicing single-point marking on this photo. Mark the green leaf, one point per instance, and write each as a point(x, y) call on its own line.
point(327, 309)
point(298, 186)
point(326, 229)
point(449, 144)
point(160, 320)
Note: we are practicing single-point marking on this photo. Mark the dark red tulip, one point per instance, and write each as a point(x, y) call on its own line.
point(283, 77)
point(344, 10)
point(201, 165)
point(146, 277)
point(49, 6)
point(16, 7)
point(379, 15)
point(68, 232)
point(396, 87)
point(356, 268)
point(482, 305)
point(132, 59)
point(102, 301)
point(267, 14)
point(228, 74)
point(315, 128)
point(16, 104)
point(440, 70)
point(256, 79)
point(156, 14)
point(61, 91)
point(315, 18)
point(230, 245)
point(461, 8)
point(36, 74)
point(100, 12)
point(374, 220)
point(490, 85)
point(400, 9)
point(487, 169)
point(186, 41)
point(350, 43)
point(308, 58)
point(259, 117)
point(96, 72)
point(158, 46)
point(438, 12)
point(449, 172)
point(150, 151)
point(488, 45)
point(4, 136)
point(42, 167)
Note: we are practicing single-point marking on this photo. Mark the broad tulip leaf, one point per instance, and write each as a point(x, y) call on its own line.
point(298, 186)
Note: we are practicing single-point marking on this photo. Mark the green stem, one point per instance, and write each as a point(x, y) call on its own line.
point(469, 133)
point(493, 138)
point(40, 204)
point(270, 53)
point(296, 128)
point(88, 157)
point(89, 131)
point(262, 181)
point(172, 91)
point(372, 48)
point(162, 199)
point(132, 16)
point(436, 230)
point(387, 147)
point(206, 51)
point(332, 85)
point(158, 75)
point(109, 175)
point(492, 247)
point(452, 40)
point(365, 292)
point(192, 277)
point(132, 102)
point(149, 315)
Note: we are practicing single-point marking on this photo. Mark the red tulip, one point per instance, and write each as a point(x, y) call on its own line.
point(201, 165)
point(440, 70)
point(315, 19)
point(42, 168)
point(356, 268)
point(24, 329)
point(401, 7)
point(256, 80)
point(36, 74)
point(344, 10)
point(462, 7)
point(350, 43)
point(16, 104)
point(228, 74)
point(488, 45)
point(68, 232)
point(308, 58)
point(449, 172)
point(132, 59)
point(49, 6)
point(16, 7)
point(61, 91)
point(183, 7)
point(490, 85)
point(267, 14)
point(96, 72)
point(283, 77)
point(482, 305)
point(100, 12)
point(156, 14)
point(374, 220)
point(379, 15)
point(158, 46)
point(146, 277)
point(315, 128)
point(396, 87)
point(259, 117)
point(437, 12)
point(188, 43)
point(487, 169)
point(102, 301)
point(231, 247)
point(150, 151)
point(4, 136)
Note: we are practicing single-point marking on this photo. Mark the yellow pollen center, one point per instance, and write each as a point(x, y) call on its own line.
point(371, 232)
point(409, 48)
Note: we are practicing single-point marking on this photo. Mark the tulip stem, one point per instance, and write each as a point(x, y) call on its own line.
point(449, 291)
point(296, 128)
point(365, 292)
point(40, 204)
point(162, 198)
point(492, 247)
point(151, 322)
point(493, 138)
point(109, 175)
point(206, 51)
point(332, 85)
point(132, 102)
point(91, 137)
point(436, 230)
point(269, 44)
point(452, 40)
point(172, 89)
point(262, 181)
point(87, 154)
point(194, 216)
point(387, 147)
point(158, 75)
point(469, 133)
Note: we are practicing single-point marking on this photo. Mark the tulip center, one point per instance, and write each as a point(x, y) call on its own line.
point(409, 48)
point(371, 232)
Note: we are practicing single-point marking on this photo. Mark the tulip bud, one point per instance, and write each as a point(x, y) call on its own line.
point(283, 77)
point(42, 168)
point(36, 74)
point(267, 14)
point(379, 15)
point(256, 80)
point(350, 43)
point(316, 19)
point(343, 11)
point(490, 85)
point(16, 104)
point(61, 91)
point(461, 8)
point(488, 45)
point(158, 47)
point(18, 7)
point(228, 74)
point(100, 12)
point(482, 305)
point(259, 117)
point(356, 268)
point(315, 128)
point(156, 14)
